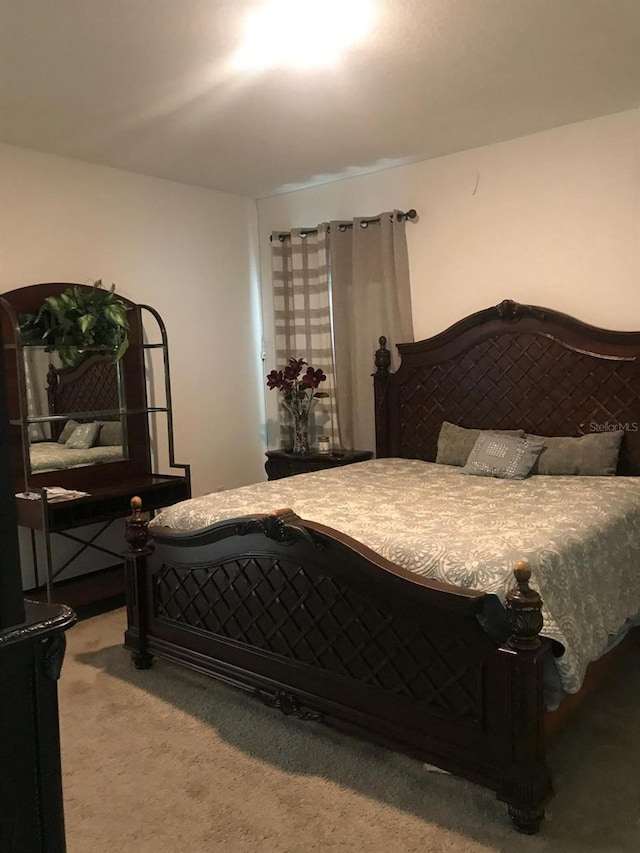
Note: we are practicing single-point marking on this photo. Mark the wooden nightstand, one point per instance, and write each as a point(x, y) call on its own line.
point(282, 463)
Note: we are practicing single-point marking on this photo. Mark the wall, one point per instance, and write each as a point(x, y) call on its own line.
point(551, 219)
point(189, 252)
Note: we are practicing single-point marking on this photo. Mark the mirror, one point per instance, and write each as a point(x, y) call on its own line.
point(107, 385)
point(74, 414)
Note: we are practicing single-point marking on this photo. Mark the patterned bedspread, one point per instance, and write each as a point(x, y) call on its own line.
point(581, 535)
point(53, 456)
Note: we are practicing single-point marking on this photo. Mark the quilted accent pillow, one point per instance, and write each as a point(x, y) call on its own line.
point(593, 455)
point(67, 431)
point(505, 456)
point(455, 443)
point(84, 436)
point(110, 434)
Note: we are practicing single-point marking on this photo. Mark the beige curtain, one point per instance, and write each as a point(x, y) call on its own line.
point(371, 297)
point(300, 268)
point(36, 367)
point(336, 290)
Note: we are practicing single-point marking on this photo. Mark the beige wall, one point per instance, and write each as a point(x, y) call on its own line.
point(551, 219)
point(186, 251)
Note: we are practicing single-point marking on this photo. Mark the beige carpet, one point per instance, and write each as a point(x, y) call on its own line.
point(168, 761)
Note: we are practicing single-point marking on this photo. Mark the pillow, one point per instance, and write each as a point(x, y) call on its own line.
point(67, 431)
point(505, 456)
point(110, 434)
point(456, 443)
point(84, 436)
point(593, 455)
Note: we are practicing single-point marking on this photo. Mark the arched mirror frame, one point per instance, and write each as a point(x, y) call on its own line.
point(138, 462)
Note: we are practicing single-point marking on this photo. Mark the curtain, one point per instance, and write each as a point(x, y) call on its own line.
point(301, 295)
point(371, 297)
point(36, 366)
point(337, 288)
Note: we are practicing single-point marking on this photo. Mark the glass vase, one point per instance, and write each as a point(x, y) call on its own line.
point(300, 418)
point(301, 433)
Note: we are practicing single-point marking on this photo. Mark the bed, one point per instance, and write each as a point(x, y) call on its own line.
point(53, 456)
point(81, 390)
point(295, 592)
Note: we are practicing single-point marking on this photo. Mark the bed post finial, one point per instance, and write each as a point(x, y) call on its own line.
point(383, 356)
point(137, 527)
point(524, 607)
point(527, 787)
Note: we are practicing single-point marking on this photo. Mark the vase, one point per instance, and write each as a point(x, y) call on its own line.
point(301, 433)
point(300, 420)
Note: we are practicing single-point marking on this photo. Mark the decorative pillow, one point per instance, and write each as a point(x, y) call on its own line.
point(456, 443)
point(110, 434)
point(505, 456)
point(84, 436)
point(67, 431)
point(593, 455)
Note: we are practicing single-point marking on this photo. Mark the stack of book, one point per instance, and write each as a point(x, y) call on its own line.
point(53, 494)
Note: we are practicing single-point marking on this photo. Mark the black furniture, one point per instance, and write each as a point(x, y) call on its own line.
point(32, 645)
point(94, 389)
point(313, 622)
point(103, 505)
point(282, 463)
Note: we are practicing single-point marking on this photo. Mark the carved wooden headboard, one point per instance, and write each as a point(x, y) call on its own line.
point(90, 386)
point(507, 367)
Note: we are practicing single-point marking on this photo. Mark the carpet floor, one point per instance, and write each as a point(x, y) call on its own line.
point(169, 761)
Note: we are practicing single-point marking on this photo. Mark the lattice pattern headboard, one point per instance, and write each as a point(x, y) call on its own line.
point(507, 367)
point(90, 386)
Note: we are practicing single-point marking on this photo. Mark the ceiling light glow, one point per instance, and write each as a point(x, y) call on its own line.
point(302, 33)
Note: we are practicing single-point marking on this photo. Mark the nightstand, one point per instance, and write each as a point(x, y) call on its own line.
point(282, 463)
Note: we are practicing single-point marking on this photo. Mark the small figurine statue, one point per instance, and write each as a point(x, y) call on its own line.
point(383, 356)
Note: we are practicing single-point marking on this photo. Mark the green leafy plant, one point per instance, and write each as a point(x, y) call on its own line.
point(78, 319)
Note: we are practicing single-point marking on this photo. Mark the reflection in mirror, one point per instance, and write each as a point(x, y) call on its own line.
point(74, 413)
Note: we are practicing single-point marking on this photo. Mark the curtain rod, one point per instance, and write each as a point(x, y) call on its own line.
point(400, 215)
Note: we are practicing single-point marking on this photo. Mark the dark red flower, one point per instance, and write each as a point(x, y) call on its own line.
point(275, 379)
point(293, 369)
point(295, 387)
point(313, 378)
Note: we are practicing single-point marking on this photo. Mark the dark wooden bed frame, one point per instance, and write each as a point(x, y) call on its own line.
point(317, 625)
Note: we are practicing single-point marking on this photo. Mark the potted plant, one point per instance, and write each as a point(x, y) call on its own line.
point(78, 319)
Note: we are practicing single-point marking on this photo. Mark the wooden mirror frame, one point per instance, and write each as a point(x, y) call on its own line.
point(138, 462)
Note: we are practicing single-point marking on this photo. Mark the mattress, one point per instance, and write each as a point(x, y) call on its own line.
point(581, 536)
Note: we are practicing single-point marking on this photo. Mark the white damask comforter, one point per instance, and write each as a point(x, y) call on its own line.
point(580, 534)
point(52, 456)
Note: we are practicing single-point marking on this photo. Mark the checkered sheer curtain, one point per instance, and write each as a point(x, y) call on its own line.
point(302, 305)
point(336, 289)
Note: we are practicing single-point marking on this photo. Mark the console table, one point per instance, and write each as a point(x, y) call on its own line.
point(103, 505)
point(132, 395)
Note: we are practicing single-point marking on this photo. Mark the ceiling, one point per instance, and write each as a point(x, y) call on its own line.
point(145, 85)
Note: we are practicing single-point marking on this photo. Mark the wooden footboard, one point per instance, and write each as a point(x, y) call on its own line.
point(317, 625)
